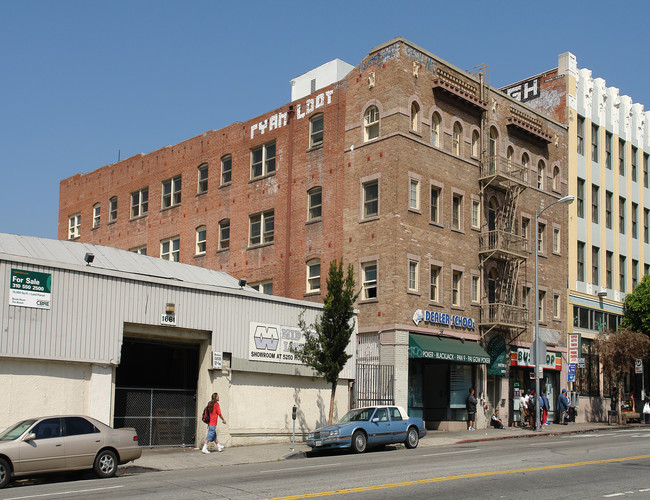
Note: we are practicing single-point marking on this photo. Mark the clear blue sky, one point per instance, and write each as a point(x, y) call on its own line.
point(82, 80)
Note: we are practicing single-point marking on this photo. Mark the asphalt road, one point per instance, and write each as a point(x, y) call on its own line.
point(594, 465)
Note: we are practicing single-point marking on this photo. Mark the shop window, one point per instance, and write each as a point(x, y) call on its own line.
point(587, 381)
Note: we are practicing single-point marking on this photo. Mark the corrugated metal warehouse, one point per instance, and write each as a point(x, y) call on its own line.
point(137, 341)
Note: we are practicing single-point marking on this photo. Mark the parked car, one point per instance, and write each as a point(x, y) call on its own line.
point(64, 443)
point(370, 426)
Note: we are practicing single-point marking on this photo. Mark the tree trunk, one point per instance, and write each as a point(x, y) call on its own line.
point(333, 393)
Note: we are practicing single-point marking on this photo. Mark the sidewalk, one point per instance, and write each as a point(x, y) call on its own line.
point(154, 459)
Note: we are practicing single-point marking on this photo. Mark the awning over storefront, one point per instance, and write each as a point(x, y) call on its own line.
point(446, 349)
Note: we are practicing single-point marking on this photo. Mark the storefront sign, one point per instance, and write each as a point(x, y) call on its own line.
point(521, 357)
point(440, 318)
point(574, 347)
point(30, 289)
point(273, 343)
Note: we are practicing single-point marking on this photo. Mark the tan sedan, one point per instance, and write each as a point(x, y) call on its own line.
point(64, 443)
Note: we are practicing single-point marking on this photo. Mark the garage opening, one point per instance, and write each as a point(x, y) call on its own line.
point(155, 391)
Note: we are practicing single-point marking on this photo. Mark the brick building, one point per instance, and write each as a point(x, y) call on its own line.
point(421, 175)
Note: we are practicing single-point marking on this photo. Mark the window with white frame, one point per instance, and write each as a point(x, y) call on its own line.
point(200, 240)
point(261, 228)
point(541, 172)
point(476, 143)
point(313, 275)
point(371, 199)
point(476, 210)
point(74, 226)
point(475, 288)
point(435, 204)
point(224, 234)
point(171, 192)
point(265, 287)
point(202, 184)
point(435, 130)
point(170, 249)
point(456, 138)
point(371, 123)
point(525, 232)
point(112, 209)
point(316, 130)
point(434, 284)
point(96, 215)
point(315, 203)
point(415, 116)
point(140, 203)
point(414, 194)
point(141, 250)
point(456, 211)
point(556, 240)
point(413, 279)
point(540, 237)
point(369, 280)
point(556, 306)
point(456, 280)
point(226, 170)
point(263, 160)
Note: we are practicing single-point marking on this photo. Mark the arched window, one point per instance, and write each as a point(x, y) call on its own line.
point(435, 130)
point(475, 143)
point(456, 139)
point(541, 172)
point(200, 240)
point(415, 116)
point(556, 178)
point(494, 135)
point(371, 123)
point(525, 164)
point(510, 153)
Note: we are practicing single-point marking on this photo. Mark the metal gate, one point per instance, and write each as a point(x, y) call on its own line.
point(374, 385)
point(162, 417)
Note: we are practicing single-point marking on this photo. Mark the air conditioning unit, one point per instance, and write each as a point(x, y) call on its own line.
point(602, 292)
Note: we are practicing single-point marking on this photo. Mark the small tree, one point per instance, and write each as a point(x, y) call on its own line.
point(637, 307)
point(617, 351)
point(327, 339)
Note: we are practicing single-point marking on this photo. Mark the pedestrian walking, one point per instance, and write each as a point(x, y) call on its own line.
point(545, 406)
point(532, 408)
point(563, 407)
point(470, 405)
point(211, 415)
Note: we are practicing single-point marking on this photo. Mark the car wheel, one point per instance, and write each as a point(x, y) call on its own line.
point(359, 442)
point(412, 438)
point(105, 464)
point(5, 473)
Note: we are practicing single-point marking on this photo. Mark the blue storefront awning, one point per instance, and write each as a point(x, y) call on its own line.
point(446, 349)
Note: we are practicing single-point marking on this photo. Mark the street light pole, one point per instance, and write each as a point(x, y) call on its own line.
point(537, 342)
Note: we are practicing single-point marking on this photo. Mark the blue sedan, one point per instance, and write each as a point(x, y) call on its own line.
point(371, 426)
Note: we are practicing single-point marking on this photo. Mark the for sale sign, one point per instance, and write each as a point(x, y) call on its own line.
point(30, 289)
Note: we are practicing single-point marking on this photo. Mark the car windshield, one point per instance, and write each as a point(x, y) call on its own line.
point(16, 430)
point(358, 415)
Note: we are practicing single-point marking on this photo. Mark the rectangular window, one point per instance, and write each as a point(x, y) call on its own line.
point(226, 170)
point(525, 225)
point(646, 158)
point(621, 215)
point(414, 194)
point(609, 266)
point(313, 276)
point(369, 280)
point(263, 160)
point(96, 215)
point(594, 142)
point(316, 131)
point(476, 210)
point(525, 294)
point(112, 209)
point(139, 203)
point(475, 288)
point(261, 228)
point(587, 381)
point(595, 193)
point(456, 288)
point(315, 203)
point(265, 287)
point(170, 249)
point(140, 250)
point(456, 212)
point(556, 240)
point(595, 272)
point(413, 276)
point(171, 192)
point(608, 150)
point(74, 226)
point(621, 273)
point(646, 233)
point(581, 135)
point(608, 209)
point(224, 234)
point(581, 261)
point(581, 198)
point(542, 306)
point(635, 273)
point(371, 199)
point(200, 240)
point(556, 306)
point(435, 205)
point(635, 153)
point(541, 230)
point(635, 221)
point(434, 284)
point(202, 186)
point(621, 157)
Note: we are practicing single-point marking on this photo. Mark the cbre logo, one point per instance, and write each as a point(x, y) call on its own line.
point(266, 338)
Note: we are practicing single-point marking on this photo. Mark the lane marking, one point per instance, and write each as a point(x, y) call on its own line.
point(91, 490)
point(450, 453)
point(300, 468)
point(460, 476)
point(619, 494)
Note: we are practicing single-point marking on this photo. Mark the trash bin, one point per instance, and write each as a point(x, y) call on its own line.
point(572, 413)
